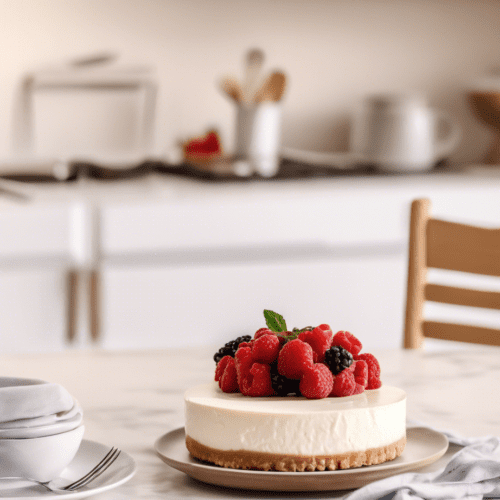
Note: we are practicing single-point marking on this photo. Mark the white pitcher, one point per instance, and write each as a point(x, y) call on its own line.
point(399, 133)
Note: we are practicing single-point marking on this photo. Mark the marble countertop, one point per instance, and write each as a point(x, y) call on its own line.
point(132, 398)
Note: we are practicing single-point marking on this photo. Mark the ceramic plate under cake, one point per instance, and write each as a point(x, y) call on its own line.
point(423, 447)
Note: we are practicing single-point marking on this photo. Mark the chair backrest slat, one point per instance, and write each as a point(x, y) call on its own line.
point(459, 247)
point(447, 245)
point(462, 296)
point(461, 333)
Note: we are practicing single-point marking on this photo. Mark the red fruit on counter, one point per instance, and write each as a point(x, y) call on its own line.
point(203, 148)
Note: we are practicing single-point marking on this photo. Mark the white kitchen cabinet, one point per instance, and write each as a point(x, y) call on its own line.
point(33, 309)
point(201, 304)
point(179, 262)
point(34, 265)
point(200, 269)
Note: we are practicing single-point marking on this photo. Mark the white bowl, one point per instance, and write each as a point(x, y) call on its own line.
point(42, 430)
point(41, 458)
point(47, 419)
point(22, 398)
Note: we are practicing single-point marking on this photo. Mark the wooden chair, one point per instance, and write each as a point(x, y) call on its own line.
point(447, 245)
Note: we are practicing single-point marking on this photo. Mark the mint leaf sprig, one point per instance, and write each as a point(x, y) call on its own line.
point(276, 323)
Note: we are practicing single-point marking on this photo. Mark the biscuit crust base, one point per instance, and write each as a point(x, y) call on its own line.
point(294, 463)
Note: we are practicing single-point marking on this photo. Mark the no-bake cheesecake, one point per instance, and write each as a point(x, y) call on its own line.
point(300, 400)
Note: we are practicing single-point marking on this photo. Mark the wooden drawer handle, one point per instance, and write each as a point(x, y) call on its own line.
point(72, 306)
point(94, 301)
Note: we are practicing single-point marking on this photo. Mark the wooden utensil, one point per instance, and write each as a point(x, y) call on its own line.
point(273, 88)
point(253, 65)
point(231, 87)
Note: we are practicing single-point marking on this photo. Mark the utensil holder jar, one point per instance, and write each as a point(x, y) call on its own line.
point(258, 137)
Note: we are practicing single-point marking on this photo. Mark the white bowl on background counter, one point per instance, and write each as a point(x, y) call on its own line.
point(41, 458)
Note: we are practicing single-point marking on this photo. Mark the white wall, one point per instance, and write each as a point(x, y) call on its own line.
point(334, 51)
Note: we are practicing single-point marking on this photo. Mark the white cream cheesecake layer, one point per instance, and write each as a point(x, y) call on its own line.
point(296, 426)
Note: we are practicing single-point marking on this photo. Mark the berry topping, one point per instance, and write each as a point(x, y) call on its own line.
point(226, 375)
point(230, 348)
point(262, 331)
point(221, 365)
point(373, 370)
point(317, 382)
point(283, 386)
point(343, 384)
point(348, 341)
point(258, 381)
point(319, 338)
point(294, 359)
point(337, 359)
point(244, 360)
point(310, 362)
point(360, 371)
point(266, 348)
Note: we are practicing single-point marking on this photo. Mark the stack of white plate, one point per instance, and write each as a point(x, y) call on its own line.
point(40, 428)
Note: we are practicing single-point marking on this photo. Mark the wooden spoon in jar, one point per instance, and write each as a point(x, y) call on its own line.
point(273, 88)
point(253, 65)
point(232, 89)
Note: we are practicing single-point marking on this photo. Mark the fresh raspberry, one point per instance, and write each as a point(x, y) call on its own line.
point(343, 384)
point(294, 359)
point(320, 339)
point(358, 390)
point(244, 360)
point(247, 344)
point(360, 370)
point(317, 382)
point(262, 331)
point(228, 382)
point(374, 381)
point(348, 341)
point(266, 349)
point(258, 381)
point(221, 365)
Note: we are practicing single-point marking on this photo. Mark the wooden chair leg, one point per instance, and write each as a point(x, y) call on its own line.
point(417, 275)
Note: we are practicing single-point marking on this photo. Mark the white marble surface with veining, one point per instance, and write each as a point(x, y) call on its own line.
point(132, 398)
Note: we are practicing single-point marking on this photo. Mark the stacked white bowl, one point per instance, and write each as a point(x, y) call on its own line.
point(40, 428)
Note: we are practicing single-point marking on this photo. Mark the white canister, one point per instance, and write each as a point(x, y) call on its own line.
point(258, 137)
point(399, 133)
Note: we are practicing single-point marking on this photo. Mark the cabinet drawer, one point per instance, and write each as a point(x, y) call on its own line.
point(33, 310)
point(156, 307)
point(28, 232)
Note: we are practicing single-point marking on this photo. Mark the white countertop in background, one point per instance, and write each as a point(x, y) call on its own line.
point(163, 187)
point(132, 398)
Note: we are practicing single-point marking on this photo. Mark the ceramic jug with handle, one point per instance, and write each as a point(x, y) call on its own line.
point(399, 133)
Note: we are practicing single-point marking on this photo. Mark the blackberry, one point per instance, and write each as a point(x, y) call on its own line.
point(230, 348)
point(282, 385)
point(337, 359)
